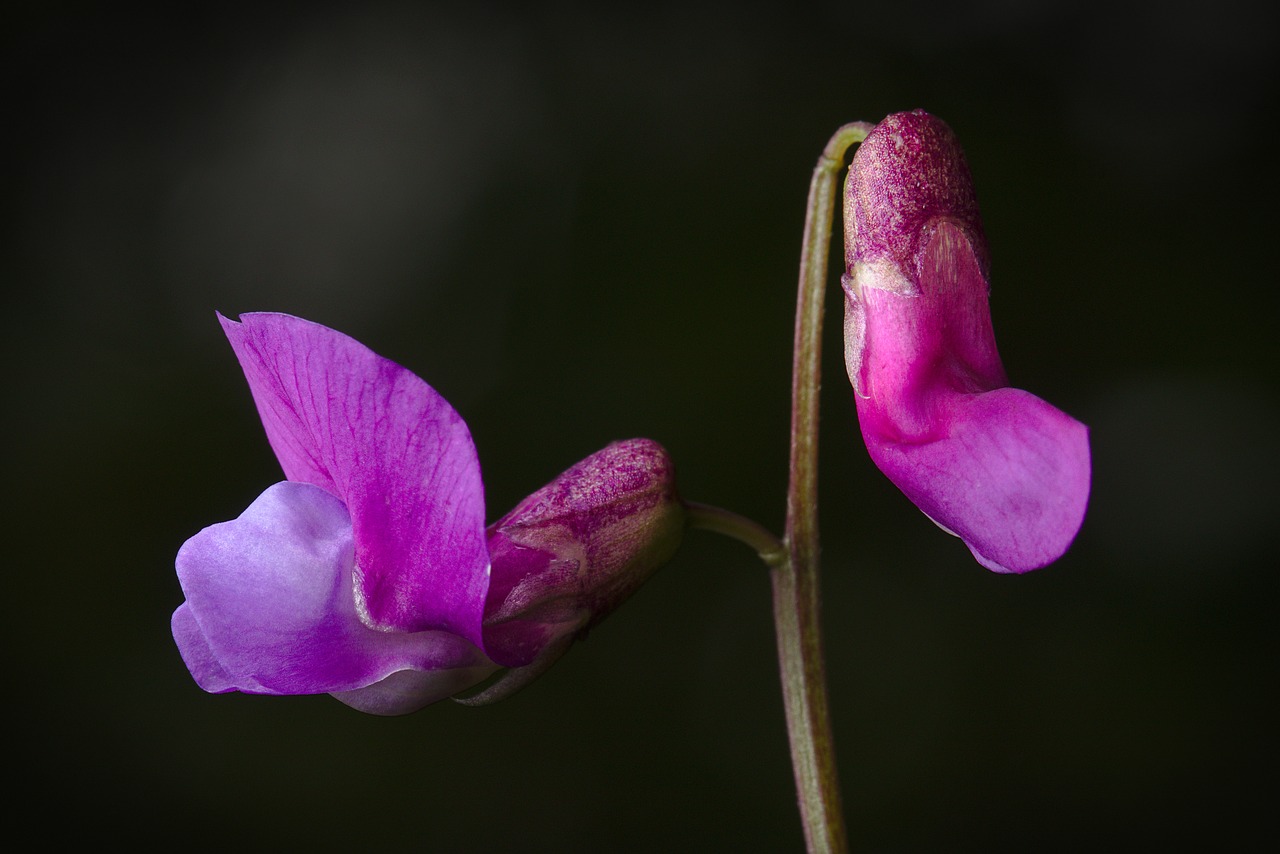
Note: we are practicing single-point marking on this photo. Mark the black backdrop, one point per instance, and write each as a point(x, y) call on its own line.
point(583, 225)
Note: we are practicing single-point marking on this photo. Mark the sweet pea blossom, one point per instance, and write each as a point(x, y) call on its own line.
point(369, 573)
point(1000, 468)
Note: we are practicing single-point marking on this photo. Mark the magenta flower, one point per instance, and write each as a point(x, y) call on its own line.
point(369, 573)
point(996, 466)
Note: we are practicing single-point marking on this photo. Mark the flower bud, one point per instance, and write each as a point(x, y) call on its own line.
point(1000, 468)
point(569, 554)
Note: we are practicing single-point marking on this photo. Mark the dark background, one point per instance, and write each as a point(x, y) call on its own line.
point(584, 225)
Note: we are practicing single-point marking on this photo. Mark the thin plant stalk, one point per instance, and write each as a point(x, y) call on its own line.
point(793, 561)
point(795, 581)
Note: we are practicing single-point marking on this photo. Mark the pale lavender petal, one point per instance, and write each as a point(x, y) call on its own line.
point(271, 608)
point(375, 435)
point(199, 658)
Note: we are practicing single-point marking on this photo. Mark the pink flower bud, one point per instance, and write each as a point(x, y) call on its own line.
point(996, 466)
point(569, 554)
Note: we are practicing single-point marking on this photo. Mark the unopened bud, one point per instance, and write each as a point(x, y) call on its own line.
point(569, 554)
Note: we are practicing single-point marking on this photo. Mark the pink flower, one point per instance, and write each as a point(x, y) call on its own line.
point(996, 466)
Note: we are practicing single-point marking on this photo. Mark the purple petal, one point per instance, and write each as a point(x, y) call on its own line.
point(372, 433)
point(1000, 468)
point(202, 661)
point(1010, 477)
point(271, 608)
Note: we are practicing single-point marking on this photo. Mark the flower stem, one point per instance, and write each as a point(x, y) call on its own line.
point(771, 549)
point(795, 581)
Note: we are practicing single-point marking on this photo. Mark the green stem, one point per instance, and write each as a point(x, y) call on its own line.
point(795, 581)
point(771, 549)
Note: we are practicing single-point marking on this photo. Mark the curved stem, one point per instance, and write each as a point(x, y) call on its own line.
point(795, 581)
point(771, 549)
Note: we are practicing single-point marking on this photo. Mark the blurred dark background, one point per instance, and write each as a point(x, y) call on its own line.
point(583, 225)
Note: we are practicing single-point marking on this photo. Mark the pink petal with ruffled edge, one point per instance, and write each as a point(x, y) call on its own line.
point(269, 610)
point(393, 450)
